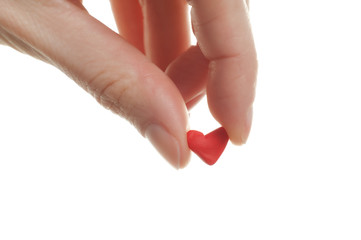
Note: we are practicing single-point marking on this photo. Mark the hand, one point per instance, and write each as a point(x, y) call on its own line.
point(152, 91)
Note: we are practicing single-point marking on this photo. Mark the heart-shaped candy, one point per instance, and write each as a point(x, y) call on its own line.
point(208, 147)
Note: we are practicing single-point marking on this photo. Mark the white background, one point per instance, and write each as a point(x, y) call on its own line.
point(70, 169)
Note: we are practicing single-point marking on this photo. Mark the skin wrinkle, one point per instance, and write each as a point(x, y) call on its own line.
point(244, 66)
point(57, 3)
point(244, 95)
point(117, 106)
point(241, 76)
point(197, 24)
point(148, 80)
point(20, 46)
point(34, 21)
point(109, 91)
point(242, 54)
point(129, 91)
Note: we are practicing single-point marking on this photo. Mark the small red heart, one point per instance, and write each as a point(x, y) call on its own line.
point(209, 147)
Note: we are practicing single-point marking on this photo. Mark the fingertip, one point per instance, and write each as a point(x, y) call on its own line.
point(185, 158)
point(239, 131)
point(173, 149)
point(237, 123)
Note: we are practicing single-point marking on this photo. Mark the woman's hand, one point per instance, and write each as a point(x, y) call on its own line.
point(150, 74)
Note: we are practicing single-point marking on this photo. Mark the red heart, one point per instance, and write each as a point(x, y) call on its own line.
point(209, 147)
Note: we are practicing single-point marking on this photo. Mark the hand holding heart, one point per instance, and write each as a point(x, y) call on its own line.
point(149, 73)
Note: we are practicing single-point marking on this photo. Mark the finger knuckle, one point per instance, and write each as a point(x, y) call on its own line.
point(112, 89)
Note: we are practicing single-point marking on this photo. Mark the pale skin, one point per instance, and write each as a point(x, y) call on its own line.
point(148, 73)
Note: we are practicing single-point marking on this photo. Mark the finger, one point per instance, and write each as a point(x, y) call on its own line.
point(129, 18)
point(117, 74)
point(166, 30)
point(189, 72)
point(224, 35)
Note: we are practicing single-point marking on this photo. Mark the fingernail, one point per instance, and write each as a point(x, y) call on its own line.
point(165, 143)
point(248, 124)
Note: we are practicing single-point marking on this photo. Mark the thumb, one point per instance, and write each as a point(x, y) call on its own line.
point(113, 71)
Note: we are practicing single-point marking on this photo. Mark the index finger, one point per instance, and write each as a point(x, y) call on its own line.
point(224, 35)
